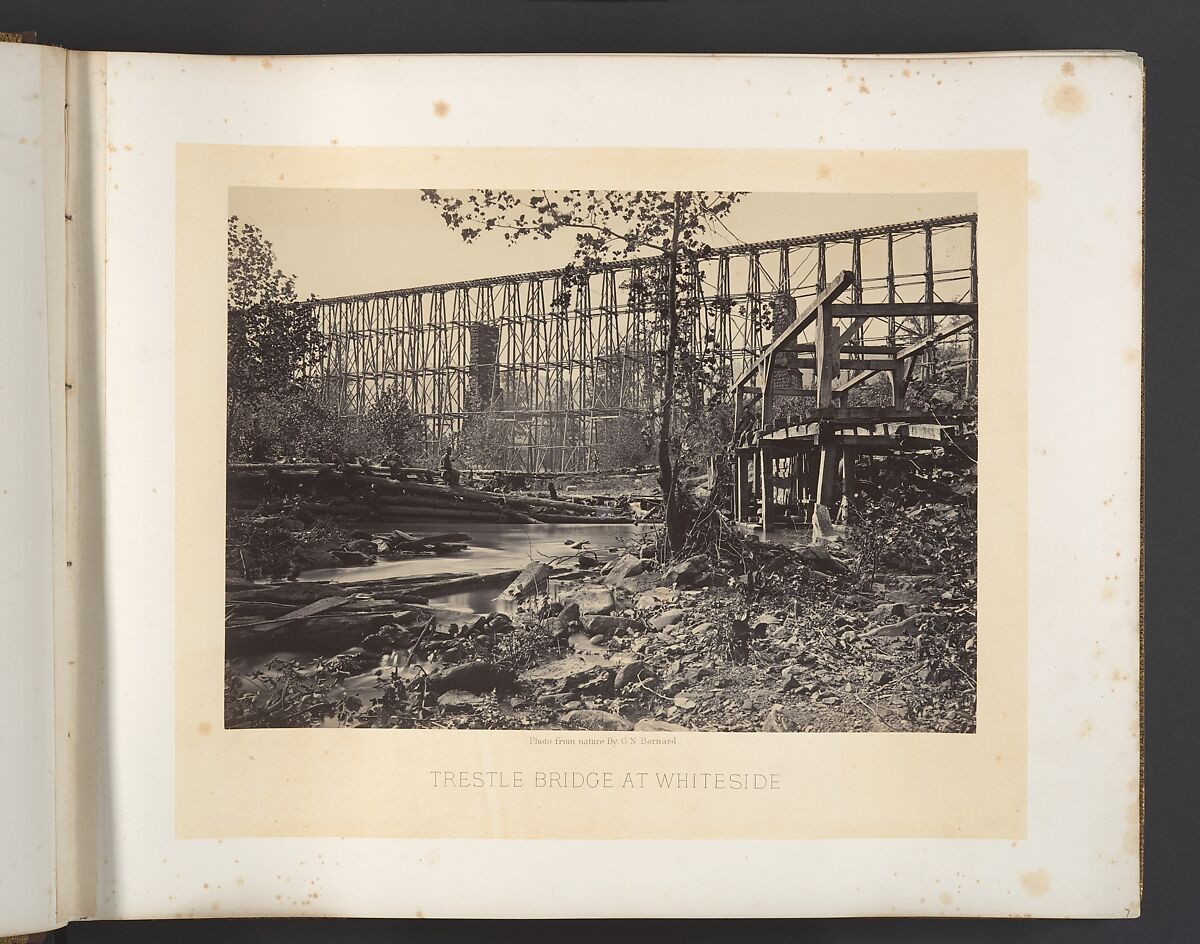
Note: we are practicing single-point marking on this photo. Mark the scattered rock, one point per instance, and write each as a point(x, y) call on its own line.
point(499, 623)
point(692, 572)
point(631, 672)
point(887, 611)
point(582, 642)
point(458, 700)
point(907, 627)
point(820, 559)
point(684, 703)
point(532, 579)
point(779, 720)
point(614, 625)
point(653, 724)
point(557, 670)
point(625, 567)
point(569, 613)
point(667, 618)
point(593, 720)
point(652, 598)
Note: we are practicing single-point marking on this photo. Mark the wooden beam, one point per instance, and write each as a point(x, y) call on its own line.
point(802, 322)
point(828, 338)
point(845, 363)
point(846, 310)
point(827, 475)
point(885, 350)
point(911, 351)
point(874, 415)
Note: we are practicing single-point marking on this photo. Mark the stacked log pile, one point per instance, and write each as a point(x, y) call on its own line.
point(351, 492)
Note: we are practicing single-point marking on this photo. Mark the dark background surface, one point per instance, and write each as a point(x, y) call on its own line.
point(1165, 33)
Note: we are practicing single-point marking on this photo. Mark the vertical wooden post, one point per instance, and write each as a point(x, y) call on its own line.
point(826, 355)
point(899, 377)
point(764, 504)
point(804, 461)
point(849, 485)
point(931, 352)
point(735, 499)
point(891, 287)
point(821, 280)
point(972, 372)
point(827, 474)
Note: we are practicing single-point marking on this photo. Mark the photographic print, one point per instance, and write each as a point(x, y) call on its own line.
point(601, 460)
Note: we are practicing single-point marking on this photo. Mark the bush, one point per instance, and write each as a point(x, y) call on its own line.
point(302, 423)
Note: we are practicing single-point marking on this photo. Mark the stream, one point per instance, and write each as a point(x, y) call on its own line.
point(493, 548)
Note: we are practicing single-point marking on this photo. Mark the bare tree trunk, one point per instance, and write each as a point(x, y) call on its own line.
point(672, 500)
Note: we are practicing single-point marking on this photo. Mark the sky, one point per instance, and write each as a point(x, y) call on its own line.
point(347, 242)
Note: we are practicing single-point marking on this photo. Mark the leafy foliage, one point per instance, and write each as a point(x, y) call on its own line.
point(262, 545)
point(272, 339)
point(670, 230)
point(274, 409)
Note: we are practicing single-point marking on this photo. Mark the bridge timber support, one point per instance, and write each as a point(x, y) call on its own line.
point(561, 371)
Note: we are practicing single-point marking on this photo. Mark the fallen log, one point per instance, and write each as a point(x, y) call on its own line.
point(587, 519)
point(412, 542)
point(324, 634)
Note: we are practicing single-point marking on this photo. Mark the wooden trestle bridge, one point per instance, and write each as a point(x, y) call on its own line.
point(563, 369)
point(800, 468)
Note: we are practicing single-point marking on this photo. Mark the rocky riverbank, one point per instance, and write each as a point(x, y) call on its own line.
point(838, 637)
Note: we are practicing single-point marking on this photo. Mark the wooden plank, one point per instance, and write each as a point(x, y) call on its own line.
point(849, 310)
point(802, 322)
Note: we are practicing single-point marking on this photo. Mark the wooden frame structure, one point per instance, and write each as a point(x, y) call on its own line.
point(570, 368)
point(821, 449)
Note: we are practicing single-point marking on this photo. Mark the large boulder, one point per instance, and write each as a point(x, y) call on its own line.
point(457, 700)
point(626, 566)
point(475, 677)
point(592, 599)
point(614, 625)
